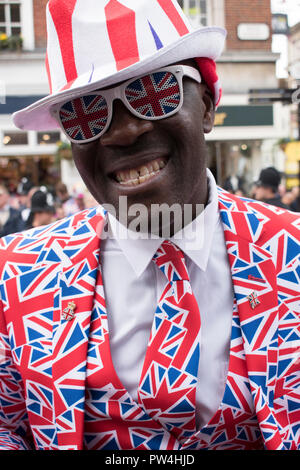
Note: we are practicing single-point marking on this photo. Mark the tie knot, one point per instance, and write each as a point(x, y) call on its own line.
point(170, 260)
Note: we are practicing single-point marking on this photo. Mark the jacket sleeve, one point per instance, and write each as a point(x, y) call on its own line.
point(287, 389)
point(13, 415)
point(287, 405)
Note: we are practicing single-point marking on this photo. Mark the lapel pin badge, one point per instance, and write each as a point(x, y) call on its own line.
point(257, 279)
point(253, 299)
point(68, 312)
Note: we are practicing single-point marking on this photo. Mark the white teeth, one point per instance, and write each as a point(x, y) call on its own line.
point(144, 171)
point(141, 174)
point(133, 174)
point(121, 176)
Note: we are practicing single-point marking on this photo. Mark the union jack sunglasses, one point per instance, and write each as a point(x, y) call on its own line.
point(156, 95)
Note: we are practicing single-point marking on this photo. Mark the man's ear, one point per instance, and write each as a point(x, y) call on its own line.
point(209, 114)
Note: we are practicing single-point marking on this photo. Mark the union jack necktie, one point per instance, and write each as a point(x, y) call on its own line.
point(167, 388)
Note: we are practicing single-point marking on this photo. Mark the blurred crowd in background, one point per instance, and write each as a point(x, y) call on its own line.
point(269, 188)
point(30, 206)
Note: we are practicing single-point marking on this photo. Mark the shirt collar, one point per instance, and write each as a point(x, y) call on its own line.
point(195, 240)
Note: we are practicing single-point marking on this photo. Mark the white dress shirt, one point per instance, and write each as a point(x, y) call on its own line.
point(133, 285)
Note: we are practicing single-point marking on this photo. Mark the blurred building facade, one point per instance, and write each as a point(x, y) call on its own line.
point(294, 75)
point(294, 54)
point(292, 149)
point(23, 80)
point(244, 137)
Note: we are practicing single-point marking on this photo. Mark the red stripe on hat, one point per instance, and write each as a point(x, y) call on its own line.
point(61, 12)
point(174, 16)
point(122, 34)
point(68, 85)
point(48, 73)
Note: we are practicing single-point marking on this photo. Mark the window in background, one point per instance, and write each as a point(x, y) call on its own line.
point(45, 138)
point(10, 18)
point(196, 10)
point(15, 138)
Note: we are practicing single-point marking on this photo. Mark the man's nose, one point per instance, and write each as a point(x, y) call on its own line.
point(125, 128)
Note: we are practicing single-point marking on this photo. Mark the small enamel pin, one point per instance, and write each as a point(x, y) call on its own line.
point(257, 279)
point(68, 312)
point(253, 299)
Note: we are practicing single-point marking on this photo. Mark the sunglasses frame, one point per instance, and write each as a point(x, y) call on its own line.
point(118, 92)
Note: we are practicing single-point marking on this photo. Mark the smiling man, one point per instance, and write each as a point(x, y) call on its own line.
point(145, 157)
point(114, 338)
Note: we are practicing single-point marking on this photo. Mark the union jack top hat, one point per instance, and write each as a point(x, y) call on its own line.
point(93, 44)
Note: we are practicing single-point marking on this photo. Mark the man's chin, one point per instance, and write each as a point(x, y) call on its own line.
point(153, 220)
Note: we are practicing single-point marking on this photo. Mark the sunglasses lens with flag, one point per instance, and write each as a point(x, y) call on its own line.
point(84, 118)
point(155, 95)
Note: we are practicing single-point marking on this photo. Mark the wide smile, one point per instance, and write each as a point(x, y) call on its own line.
point(139, 176)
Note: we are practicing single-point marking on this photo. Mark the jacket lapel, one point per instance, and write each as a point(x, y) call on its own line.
point(254, 283)
point(79, 261)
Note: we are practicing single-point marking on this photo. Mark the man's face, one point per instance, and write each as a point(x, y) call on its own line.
point(23, 199)
point(172, 149)
point(42, 218)
point(262, 193)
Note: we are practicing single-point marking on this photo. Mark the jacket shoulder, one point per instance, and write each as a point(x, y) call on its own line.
point(29, 247)
point(274, 229)
point(264, 212)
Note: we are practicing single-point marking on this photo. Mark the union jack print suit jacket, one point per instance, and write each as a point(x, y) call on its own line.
point(45, 360)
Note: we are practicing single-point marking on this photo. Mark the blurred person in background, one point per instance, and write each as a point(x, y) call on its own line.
point(287, 199)
point(240, 192)
point(23, 189)
point(79, 199)
point(26, 211)
point(67, 201)
point(266, 189)
point(42, 210)
point(295, 205)
point(234, 184)
point(10, 218)
point(59, 212)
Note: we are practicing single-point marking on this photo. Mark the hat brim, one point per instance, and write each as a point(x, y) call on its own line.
point(204, 42)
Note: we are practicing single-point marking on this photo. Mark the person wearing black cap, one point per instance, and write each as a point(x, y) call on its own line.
point(23, 189)
point(267, 187)
point(41, 211)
